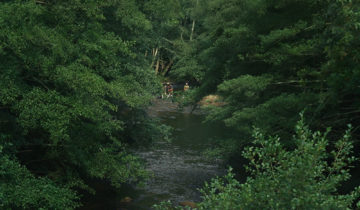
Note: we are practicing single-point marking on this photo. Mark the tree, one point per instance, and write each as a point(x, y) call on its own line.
point(72, 98)
point(269, 60)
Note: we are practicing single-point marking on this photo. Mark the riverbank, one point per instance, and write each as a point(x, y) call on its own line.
point(167, 105)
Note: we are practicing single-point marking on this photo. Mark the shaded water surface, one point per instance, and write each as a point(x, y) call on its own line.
point(178, 167)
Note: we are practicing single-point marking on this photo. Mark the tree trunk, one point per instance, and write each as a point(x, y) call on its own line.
point(193, 24)
point(192, 30)
point(157, 66)
point(154, 54)
point(162, 65)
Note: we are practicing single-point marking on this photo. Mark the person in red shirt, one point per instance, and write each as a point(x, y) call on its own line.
point(170, 90)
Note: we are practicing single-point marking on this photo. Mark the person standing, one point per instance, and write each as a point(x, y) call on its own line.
point(170, 90)
point(186, 87)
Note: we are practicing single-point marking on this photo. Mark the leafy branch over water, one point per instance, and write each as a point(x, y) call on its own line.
point(307, 177)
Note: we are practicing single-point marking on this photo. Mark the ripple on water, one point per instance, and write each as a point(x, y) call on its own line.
point(178, 167)
point(177, 173)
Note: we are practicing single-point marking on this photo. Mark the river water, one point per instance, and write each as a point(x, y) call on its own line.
point(178, 167)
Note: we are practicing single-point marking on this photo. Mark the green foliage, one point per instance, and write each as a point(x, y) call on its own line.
point(20, 189)
point(73, 89)
point(187, 68)
point(75, 77)
point(269, 60)
point(121, 167)
point(304, 178)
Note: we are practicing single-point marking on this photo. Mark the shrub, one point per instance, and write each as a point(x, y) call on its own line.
point(304, 178)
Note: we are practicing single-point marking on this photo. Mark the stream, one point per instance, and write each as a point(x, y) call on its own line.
point(178, 167)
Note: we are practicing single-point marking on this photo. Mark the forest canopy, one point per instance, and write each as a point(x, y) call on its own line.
point(77, 76)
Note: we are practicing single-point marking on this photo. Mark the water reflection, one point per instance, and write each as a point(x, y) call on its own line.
point(178, 167)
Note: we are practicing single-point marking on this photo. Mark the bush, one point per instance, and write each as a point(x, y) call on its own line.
point(304, 178)
point(19, 189)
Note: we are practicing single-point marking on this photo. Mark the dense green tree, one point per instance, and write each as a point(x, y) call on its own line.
point(271, 59)
point(72, 94)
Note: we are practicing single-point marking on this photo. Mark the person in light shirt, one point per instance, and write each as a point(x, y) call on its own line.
point(186, 87)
